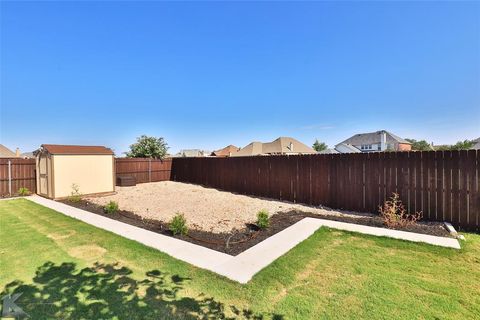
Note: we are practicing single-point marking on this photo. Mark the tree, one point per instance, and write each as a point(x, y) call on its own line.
point(421, 145)
point(148, 147)
point(462, 145)
point(319, 146)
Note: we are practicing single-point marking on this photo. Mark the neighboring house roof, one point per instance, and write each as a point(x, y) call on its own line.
point(225, 152)
point(286, 145)
point(328, 151)
point(476, 145)
point(253, 148)
point(27, 155)
point(72, 149)
point(6, 153)
point(282, 145)
point(192, 153)
point(373, 137)
point(346, 148)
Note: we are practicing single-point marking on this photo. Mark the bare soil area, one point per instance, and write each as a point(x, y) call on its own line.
point(205, 209)
point(220, 220)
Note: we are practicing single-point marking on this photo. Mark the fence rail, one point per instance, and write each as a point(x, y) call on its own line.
point(144, 170)
point(15, 174)
point(444, 185)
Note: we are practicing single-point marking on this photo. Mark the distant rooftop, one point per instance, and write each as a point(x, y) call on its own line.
point(476, 144)
point(373, 138)
point(225, 152)
point(281, 145)
point(192, 153)
point(6, 153)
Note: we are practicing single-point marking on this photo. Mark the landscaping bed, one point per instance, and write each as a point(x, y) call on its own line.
point(239, 240)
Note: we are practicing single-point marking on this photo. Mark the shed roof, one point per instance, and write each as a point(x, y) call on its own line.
point(71, 149)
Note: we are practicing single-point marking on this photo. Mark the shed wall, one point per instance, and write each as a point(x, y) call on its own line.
point(92, 174)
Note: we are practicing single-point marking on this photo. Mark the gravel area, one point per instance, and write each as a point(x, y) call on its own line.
point(204, 208)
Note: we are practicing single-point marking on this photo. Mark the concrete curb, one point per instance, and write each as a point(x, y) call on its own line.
point(243, 267)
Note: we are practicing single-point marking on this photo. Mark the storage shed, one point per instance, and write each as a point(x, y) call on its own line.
point(60, 167)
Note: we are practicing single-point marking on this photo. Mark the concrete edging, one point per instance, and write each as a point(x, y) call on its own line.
point(243, 267)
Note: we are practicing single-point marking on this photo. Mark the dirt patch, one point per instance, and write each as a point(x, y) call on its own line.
point(87, 252)
point(61, 235)
point(239, 240)
point(205, 209)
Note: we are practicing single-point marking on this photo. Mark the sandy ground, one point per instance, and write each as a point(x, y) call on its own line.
point(204, 208)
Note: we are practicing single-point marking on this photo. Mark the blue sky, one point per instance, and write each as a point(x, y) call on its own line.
point(205, 75)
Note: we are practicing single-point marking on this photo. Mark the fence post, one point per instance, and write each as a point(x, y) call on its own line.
point(9, 177)
point(150, 170)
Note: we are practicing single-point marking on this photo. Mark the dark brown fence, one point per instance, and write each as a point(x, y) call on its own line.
point(144, 170)
point(22, 174)
point(444, 185)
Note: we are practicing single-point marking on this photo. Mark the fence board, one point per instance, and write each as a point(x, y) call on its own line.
point(144, 170)
point(463, 185)
point(429, 185)
point(22, 175)
point(473, 195)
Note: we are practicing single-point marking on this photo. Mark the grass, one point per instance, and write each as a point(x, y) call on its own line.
point(68, 269)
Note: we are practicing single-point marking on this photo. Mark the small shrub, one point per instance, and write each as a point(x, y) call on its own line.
point(394, 214)
point(178, 225)
point(263, 219)
point(111, 207)
point(23, 191)
point(75, 195)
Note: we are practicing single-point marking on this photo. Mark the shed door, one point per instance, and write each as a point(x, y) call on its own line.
point(42, 170)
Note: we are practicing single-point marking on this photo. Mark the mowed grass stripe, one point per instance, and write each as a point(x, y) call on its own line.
point(22, 246)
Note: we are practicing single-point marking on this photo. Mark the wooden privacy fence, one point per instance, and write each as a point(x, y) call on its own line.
point(15, 174)
point(143, 169)
point(444, 185)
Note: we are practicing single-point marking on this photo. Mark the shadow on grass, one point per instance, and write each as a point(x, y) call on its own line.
point(107, 291)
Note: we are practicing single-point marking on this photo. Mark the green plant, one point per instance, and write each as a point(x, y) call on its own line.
point(148, 147)
point(178, 225)
point(23, 191)
point(463, 145)
point(420, 145)
point(75, 195)
point(394, 214)
point(460, 145)
point(111, 207)
point(263, 219)
point(319, 146)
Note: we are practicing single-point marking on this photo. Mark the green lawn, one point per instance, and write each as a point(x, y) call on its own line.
point(68, 269)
